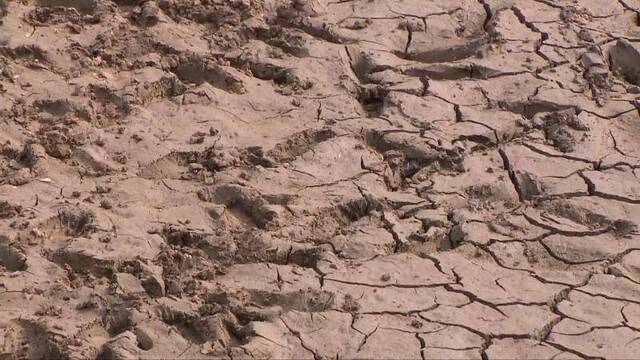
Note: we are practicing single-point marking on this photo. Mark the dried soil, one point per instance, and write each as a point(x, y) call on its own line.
point(319, 179)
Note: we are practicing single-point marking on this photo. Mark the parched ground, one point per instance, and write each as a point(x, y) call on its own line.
point(253, 179)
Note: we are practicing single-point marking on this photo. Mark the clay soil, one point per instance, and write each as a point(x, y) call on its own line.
point(315, 179)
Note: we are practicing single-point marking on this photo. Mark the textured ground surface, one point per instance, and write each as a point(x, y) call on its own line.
point(319, 179)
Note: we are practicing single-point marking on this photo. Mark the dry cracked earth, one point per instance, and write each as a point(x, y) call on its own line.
point(249, 179)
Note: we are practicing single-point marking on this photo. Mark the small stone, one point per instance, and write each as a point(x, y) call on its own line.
point(149, 14)
point(145, 340)
point(174, 287)
point(11, 258)
point(105, 204)
point(625, 60)
point(195, 168)
point(634, 89)
point(130, 285)
point(616, 270)
point(21, 177)
point(197, 138)
point(101, 189)
point(216, 212)
point(123, 346)
point(154, 285)
point(175, 311)
point(14, 164)
point(591, 59)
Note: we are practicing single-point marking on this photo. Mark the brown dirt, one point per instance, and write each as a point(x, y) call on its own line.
point(319, 179)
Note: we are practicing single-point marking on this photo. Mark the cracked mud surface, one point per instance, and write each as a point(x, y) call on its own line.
point(319, 179)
